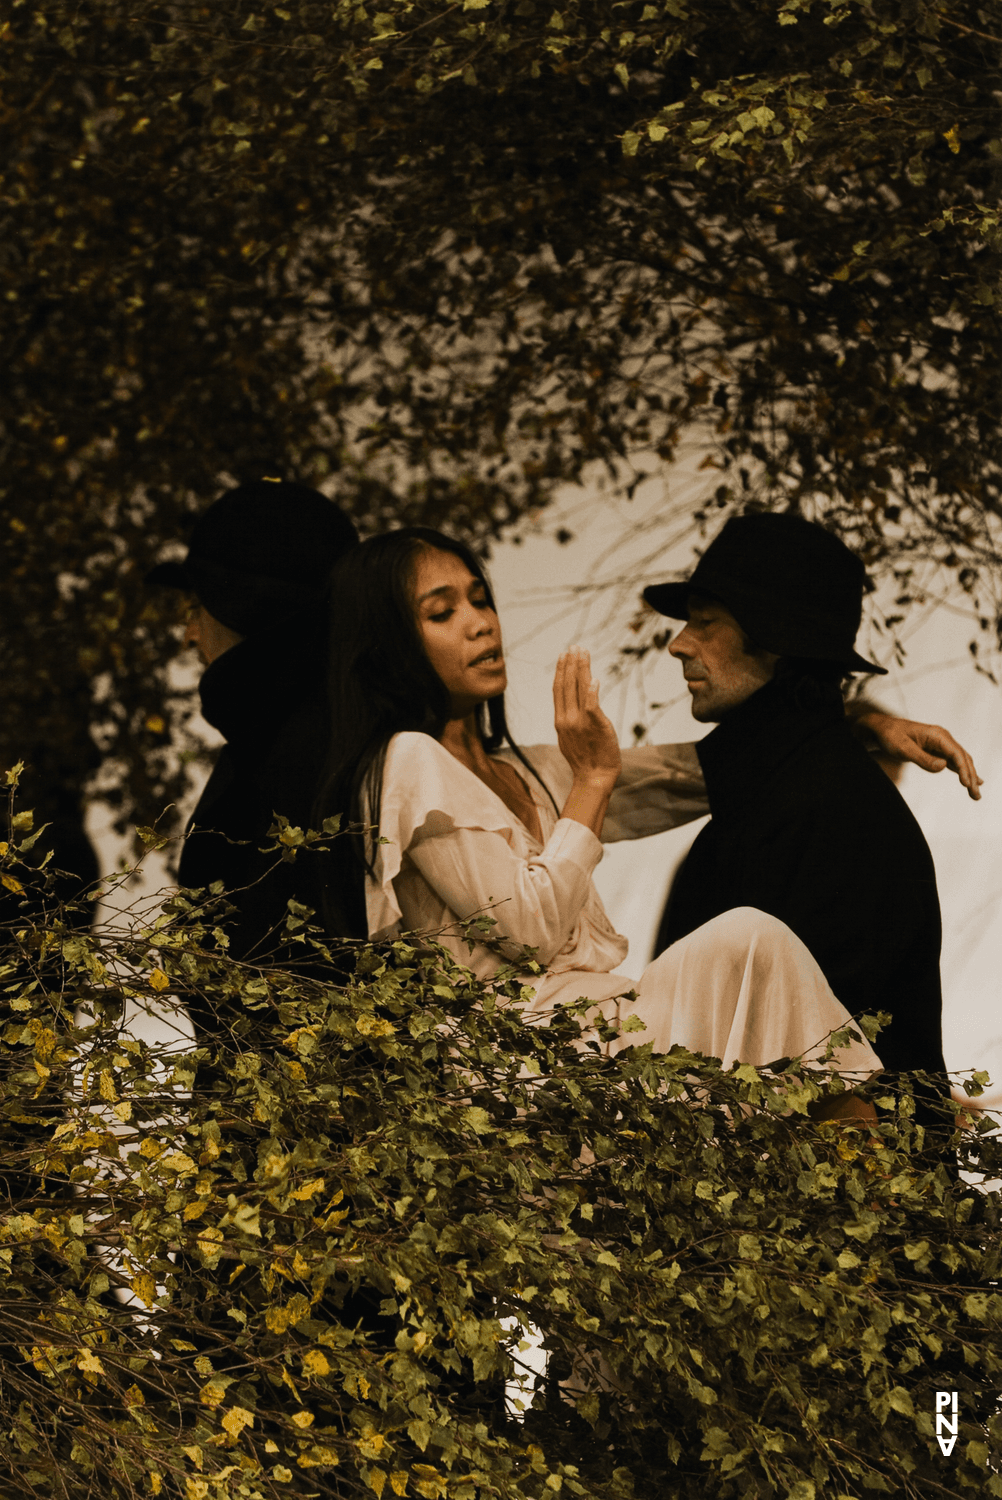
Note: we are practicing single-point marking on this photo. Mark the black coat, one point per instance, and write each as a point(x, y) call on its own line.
point(807, 827)
point(266, 696)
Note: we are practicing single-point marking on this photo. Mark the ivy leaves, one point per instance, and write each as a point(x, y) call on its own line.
point(324, 1252)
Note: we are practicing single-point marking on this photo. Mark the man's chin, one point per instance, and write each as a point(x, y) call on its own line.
point(709, 711)
point(702, 711)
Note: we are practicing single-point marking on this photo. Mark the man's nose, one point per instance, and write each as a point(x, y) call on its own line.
point(680, 646)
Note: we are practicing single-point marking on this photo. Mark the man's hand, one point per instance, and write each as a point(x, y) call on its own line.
point(925, 745)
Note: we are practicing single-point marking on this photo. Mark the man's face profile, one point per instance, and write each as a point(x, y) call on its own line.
point(720, 666)
point(209, 636)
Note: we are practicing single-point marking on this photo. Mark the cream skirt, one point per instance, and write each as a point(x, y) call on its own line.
point(742, 988)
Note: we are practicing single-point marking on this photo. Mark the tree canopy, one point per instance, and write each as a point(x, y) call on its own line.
point(443, 257)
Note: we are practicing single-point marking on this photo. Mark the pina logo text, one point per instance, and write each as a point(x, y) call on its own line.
point(947, 1420)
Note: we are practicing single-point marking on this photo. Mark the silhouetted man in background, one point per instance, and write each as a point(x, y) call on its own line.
point(257, 566)
point(804, 825)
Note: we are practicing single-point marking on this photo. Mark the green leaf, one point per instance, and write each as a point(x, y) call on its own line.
point(900, 1400)
point(478, 1119)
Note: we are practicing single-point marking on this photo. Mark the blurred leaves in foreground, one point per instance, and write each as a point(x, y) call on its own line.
point(299, 1259)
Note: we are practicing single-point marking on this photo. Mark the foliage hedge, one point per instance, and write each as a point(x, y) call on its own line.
point(281, 1265)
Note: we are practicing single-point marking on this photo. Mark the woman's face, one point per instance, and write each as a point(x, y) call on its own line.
point(459, 629)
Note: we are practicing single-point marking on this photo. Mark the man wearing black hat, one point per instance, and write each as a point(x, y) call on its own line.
point(804, 825)
point(257, 566)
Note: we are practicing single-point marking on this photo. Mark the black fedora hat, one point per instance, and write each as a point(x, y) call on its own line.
point(792, 586)
point(261, 553)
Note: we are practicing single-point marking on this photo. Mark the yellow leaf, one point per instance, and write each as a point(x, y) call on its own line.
point(236, 1419)
point(377, 1481)
point(106, 1087)
point(370, 1025)
point(309, 1189)
point(151, 1149)
point(315, 1363)
point(177, 1161)
point(89, 1363)
point(145, 1288)
point(398, 1482)
point(952, 139)
point(281, 1473)
point(45, 1041)
point(12, 883)
point(213, 1392)
point(158, 980)
point(371, 1444)
point(318, 1455)
point(302, 1418)
point(277, 1319)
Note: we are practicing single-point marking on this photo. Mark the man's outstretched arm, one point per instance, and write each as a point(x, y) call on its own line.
point(925, 745)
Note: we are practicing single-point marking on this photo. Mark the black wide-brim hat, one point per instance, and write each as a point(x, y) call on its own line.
point(793, 587)
point(261, 554)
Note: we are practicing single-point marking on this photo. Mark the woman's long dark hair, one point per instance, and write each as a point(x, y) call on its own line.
point(380, 683)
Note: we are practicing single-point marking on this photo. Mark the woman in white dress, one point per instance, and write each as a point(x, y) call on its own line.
point(471, 824)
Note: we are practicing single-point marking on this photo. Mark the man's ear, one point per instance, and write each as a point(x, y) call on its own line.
point(769, 659)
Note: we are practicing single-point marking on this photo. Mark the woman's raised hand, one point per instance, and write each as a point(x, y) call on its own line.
point(586, 737)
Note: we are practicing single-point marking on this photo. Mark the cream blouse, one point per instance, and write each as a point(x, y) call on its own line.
point(455, 850)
